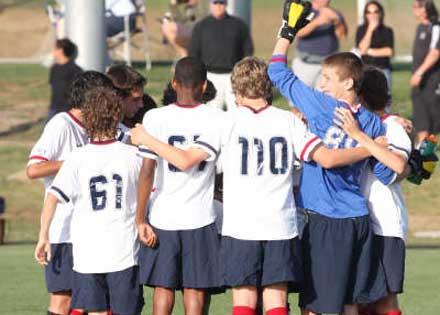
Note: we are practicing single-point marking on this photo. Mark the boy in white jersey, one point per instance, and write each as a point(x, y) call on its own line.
point(260, 247)
point(62, 134)
point(185, 254)
point(99, 180)
point(388, 214)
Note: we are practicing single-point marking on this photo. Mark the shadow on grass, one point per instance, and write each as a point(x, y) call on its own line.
point(22, 127)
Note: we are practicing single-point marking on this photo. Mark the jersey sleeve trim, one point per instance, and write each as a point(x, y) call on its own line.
point(39, 158)
point(208, 146)
point(279, 58)
point(146, 153)
point(309, 147)
point(402, 150)
point(59, 194)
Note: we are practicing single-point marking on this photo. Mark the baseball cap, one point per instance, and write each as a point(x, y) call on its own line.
point(218, 1)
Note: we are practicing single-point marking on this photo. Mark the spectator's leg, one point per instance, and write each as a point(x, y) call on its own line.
point(307, 72)
point(114, 25)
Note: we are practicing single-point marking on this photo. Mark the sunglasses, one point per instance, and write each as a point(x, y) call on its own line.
point(373, 12)
point(218, 2)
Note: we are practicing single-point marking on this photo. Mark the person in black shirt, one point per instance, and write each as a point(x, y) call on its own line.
point(220, 41)
point(61, 75)
point(375, 40)
point(425, 80)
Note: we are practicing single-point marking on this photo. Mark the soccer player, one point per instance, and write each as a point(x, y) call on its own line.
point(101, 189)
point(135, 103)
point(388, 215)
point(179, 230)
point(337, 240)
point(62, 134)
point(259, 142)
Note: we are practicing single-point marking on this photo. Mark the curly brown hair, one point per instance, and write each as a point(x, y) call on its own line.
point(102, 112)
point(250, 79)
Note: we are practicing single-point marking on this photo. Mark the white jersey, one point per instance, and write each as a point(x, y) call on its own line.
point(388, 214)
point(101, 181)
point(258, 151)
point(183, 200)
point(61, 135)
point(123, 134)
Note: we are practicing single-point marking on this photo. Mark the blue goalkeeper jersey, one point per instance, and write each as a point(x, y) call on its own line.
point(333, 192)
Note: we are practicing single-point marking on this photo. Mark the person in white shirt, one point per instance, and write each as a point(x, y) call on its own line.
point(388, 215)
point(102, 191)
point(258, 144)
point(63, 134)
point(182, 244)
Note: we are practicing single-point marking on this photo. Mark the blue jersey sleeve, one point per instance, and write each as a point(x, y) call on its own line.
point(384, 174)
point(309, 101)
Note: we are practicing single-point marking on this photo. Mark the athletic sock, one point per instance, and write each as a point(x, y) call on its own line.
point(50, 313)
point(278, 311)
point(395, 312)
point(76, 312)
point(243, 310)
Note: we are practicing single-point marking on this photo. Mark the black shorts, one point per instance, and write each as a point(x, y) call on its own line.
point(261, 263)
point(340, 266)
point(392, 260)
point(59, 272)
point(119, 291)
point(426, 104)
point(182, 259)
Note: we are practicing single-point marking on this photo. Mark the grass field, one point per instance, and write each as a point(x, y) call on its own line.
point(23, 101)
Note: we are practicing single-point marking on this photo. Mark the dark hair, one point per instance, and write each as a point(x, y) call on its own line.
point(347, 65)
point(170, 96)
point(431, 10)
point(374, 91)
point(67, 46)
point(381, 11)
point(190, 72)
point(125, 79)
point(102, 112)
point(76, 93)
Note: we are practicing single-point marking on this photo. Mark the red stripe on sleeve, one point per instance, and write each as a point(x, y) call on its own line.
point(38, 157)
point(278, 59)
point(308, 144)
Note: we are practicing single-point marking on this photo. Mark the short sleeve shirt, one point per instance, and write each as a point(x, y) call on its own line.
point(382, 37)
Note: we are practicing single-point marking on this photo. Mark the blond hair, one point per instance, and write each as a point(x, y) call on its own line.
point(250, 79)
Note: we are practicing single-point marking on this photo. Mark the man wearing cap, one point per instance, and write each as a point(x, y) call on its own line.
point(219, 41)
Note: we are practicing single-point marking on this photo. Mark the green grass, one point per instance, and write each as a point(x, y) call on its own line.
point(23, 292)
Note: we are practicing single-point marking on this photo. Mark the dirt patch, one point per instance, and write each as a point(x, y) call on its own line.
point(423, 222)
point(29, 113)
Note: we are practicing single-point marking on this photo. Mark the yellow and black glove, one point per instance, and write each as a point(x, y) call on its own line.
point(296, 15)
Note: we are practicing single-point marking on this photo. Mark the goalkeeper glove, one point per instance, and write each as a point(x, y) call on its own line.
point(296, 15)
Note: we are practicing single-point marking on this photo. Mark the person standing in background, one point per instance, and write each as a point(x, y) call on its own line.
point(375, 40)
point(219, 41)
point(115, 11)
point(425, 80)
point(318, 40)
point(61, 75)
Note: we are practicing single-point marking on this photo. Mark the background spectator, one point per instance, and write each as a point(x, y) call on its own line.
point(61, 74)
point(374, 40)
point(115, 10)
point(425, 80)
point(316, 41)
point(219, 41)
point(178, 23)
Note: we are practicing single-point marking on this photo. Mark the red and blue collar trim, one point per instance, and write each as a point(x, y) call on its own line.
point(102, 142)
point(256, 111)
point(76, 120)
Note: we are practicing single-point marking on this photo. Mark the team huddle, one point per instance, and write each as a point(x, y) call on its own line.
point(118, 215)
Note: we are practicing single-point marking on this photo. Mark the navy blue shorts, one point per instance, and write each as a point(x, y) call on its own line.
point(392, 260)
point(340, 266)
point(119, 291)
point(58, 272)
point(261, 263)
point(182, 259)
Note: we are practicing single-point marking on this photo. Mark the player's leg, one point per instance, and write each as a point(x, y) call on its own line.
point(163, 301)
point(90, 293)
point(193, 301)
point(59, 275)
point(244, 300)
point(351, 309)
point(275, 299)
